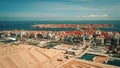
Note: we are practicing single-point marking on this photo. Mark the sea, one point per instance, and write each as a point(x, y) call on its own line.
point(26, 25)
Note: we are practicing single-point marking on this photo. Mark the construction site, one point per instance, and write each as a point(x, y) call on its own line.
point(28, 56)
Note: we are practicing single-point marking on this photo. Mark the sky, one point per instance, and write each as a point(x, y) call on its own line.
point(59, 9)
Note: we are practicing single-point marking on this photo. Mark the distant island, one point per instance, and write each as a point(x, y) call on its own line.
point(76, 26)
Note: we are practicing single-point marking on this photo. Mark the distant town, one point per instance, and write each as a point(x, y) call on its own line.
point(86, 45)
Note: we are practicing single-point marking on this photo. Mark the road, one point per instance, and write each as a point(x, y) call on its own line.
point(82, 51)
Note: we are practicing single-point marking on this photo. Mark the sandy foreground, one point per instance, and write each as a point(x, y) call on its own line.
point(74, 63)
point(27, 56)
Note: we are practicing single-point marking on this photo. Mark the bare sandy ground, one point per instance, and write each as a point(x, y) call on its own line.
point(74, 63)
point(27, 56)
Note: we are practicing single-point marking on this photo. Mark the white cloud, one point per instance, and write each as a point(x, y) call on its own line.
point(93, 16)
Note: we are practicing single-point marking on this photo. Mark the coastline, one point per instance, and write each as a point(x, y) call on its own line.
point(26, 25)
point(42, 38)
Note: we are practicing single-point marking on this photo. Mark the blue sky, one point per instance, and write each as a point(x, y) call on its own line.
point(59, 10)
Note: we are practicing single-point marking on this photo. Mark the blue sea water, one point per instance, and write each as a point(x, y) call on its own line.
point(26, 25)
